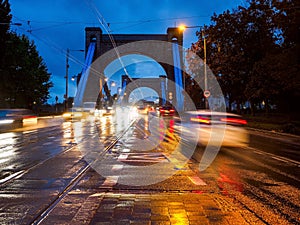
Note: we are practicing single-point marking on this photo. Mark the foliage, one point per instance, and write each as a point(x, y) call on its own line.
point(253, 51)
point(25, 81)
point(5, 19)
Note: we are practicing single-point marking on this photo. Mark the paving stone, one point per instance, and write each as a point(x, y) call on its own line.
point(159, 210)
point(152, 209)
point(101, 223)
point(141, 209)
point(195, 213)
point(160, 218)
point(179, 221)
point(146, 222)
point(200, 222)
point(159, 203)
point(141, 216)
point(121, 222)
point(177, 211)
point(197, 218)
point(160, 223)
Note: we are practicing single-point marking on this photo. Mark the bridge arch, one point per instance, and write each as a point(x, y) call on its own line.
point(156, 46)
point(144, 94)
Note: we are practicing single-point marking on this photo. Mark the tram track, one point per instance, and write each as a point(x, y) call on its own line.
point(78, 180)
point(23, 171)
point(75, 180)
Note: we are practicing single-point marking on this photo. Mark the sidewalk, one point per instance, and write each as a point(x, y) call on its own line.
point(148, 209)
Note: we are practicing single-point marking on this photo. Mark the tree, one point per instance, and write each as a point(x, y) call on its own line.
point(193, 78)
point(225, 54)
point(23, 74)
point(287, 21)
point(253, 51)
point(5, 19)
point(25, 78)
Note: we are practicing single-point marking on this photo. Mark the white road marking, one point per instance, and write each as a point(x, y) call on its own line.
point(122, 157)
point(14, 175)
point(126, 150)
point(110, 181)
point(258, 153)
point(276, 157)
point(117, 167)
point(152, 157)
point(197, 180)
point(48, 143)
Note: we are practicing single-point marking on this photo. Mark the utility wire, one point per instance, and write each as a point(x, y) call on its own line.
point(107, 29)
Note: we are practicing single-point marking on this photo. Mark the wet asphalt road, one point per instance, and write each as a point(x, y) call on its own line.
point(36, 165)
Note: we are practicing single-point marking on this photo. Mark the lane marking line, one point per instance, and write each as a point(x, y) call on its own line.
point(47, 143)
point(154, 157)
point(279, 158)
point(122, 157)
point(117, 167)
point(145, 160)
point(110, 181)
point(126, 150)
point(197, 180)
point(14, 175)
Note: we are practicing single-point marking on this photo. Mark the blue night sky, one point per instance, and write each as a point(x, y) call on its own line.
point(56, 25)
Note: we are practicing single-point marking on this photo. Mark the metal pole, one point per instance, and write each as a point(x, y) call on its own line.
point(67, 79)
point(204, 62)
point(205, 73)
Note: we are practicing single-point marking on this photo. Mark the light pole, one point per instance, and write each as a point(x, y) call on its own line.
point(14, 24)
point(67, 74)
point(206, 92)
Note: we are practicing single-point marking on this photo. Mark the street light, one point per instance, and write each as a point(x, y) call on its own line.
point(67, 74)
point(206, 91)
point(14, 24)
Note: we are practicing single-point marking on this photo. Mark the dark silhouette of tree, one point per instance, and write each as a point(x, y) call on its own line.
point(5, 19)
point(25, 81)
point(253, 52)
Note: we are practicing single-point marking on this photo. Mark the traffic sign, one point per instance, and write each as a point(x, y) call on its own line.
point(206, 94)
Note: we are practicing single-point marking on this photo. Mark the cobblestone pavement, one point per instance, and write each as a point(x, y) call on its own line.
point(95, 201)
point(155, 208)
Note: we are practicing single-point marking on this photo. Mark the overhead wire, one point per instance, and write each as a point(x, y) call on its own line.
point(107, 29)
point(55, 47)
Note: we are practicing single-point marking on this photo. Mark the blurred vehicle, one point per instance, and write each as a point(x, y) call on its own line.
point(89, 107)
point(73, 114)
point(99, 112)
point(166, 111)
point(216, 128)
point(141, 109)
point(109, 110)
point(151, 110)
point(16, 118)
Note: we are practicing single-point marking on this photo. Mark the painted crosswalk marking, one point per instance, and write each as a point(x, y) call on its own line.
point(197, 180)
point(117, 167)
point(48, 143)
point(110, 181)
point(152, 157)
point(122, 157)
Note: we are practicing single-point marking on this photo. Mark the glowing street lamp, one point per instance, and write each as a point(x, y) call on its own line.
point(182, 28)
point(112, 83)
